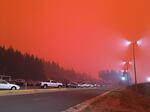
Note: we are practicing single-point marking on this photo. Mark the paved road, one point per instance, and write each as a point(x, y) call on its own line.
point(46, 102)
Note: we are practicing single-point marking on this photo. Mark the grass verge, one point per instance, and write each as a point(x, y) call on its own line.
point(120, 101)
point(28, 91)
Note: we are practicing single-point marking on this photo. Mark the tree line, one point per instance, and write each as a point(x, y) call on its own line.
point(29, 67)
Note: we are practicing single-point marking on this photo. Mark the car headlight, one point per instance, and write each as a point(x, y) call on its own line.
point(18, 87)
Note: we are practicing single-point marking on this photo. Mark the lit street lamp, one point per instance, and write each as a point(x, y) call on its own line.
point(123, 78)
point(148, 79)
point(126, 65)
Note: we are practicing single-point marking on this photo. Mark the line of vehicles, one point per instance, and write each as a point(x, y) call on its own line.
point(53, 83)
point(18, 83)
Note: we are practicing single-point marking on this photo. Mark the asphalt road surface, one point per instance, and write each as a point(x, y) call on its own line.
point(46, 102)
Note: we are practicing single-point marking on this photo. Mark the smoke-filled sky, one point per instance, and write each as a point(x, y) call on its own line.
point(88, 35)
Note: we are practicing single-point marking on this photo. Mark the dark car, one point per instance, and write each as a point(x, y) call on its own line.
point(72, 85)
point(20, 82)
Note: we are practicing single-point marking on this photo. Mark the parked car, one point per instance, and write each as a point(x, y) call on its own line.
point(51, 83)
point(5, 85)
point(20, 82)
point(38, 83)
point(31, 83)
point(85, 85)
point(72, 85)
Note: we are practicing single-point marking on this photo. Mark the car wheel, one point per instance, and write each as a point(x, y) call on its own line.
point(13, 88)
point(45, 86)
point(59, 86)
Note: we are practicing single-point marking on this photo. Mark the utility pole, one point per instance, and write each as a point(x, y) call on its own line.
point(134, 62)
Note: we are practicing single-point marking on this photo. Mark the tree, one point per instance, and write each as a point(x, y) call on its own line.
point(30, 67)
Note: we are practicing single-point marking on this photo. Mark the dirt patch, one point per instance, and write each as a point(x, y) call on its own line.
point(121, 101)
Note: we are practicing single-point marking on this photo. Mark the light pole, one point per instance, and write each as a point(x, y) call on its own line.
point(134, 60)
point(134, 43)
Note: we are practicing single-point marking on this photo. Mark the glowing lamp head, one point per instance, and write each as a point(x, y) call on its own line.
point(139, 42)
point(124, 62)
point(128, 43)
point(130, 62)
point(123, 78)
point(148, 79)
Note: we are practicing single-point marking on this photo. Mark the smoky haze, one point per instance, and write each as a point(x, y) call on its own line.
point(88, 35)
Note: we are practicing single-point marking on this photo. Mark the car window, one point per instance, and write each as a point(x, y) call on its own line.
point(53, 81)
point(3, 82)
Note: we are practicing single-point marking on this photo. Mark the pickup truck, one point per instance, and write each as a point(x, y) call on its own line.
point(51, 83)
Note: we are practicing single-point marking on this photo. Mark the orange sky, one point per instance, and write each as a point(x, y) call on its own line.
point(88, 35)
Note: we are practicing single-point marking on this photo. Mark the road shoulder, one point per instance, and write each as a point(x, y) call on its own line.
point(80, 107)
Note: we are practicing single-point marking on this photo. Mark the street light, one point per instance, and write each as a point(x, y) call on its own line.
point(126, 64)
point(123, 78)
point(128, 43)
point(134, 58)
point(148, 79)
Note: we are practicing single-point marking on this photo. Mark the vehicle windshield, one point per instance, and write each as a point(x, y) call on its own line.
point(3, 82)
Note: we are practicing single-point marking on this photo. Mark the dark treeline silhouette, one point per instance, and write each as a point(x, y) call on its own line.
point(29, 67)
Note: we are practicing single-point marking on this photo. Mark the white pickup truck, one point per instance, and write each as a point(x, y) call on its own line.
point(51, 83)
